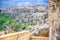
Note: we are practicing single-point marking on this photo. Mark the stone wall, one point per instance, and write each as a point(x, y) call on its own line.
point(23, 35)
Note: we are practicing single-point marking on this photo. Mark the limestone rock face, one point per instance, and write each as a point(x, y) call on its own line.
point(54, 18)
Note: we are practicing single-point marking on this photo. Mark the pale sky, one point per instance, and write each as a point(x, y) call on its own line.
point(7, 3)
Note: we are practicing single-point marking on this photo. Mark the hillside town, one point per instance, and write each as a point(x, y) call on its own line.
point(30, 16)
point(27, 15)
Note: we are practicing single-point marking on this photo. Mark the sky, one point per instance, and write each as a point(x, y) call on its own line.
point(7, 3)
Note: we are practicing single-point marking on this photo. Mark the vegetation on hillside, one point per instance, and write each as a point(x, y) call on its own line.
point(8, 23)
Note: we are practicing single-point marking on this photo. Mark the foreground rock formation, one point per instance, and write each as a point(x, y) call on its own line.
point(54, 18)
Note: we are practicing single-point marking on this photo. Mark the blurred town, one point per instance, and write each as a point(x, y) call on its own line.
point(18, 18)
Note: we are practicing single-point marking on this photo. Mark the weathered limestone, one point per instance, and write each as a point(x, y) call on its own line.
point(54, 18)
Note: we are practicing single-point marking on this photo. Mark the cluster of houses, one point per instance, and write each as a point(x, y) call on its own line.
point(28, 15)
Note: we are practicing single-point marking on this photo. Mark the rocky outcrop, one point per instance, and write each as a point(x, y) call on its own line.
point(54, 18)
